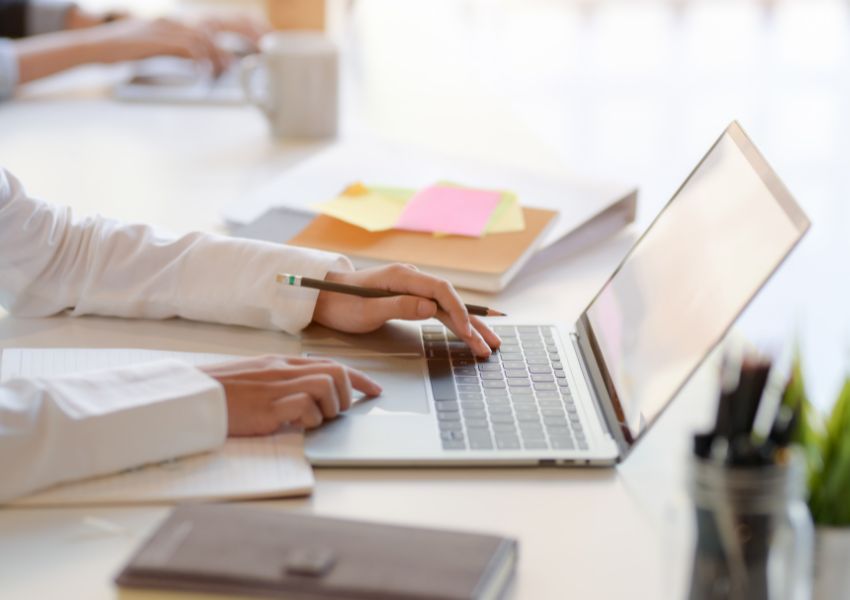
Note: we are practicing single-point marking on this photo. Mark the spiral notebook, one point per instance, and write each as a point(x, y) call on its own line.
point(243, 468)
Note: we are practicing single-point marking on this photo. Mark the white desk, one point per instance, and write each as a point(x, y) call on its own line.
point(583, 534)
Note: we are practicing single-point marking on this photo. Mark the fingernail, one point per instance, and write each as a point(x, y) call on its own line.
point(376, 389)
point(424, 309)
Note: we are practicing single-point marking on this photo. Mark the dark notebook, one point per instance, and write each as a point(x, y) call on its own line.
point(241, 550)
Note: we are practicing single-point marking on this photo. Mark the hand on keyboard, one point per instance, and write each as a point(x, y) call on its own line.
point(430, 297)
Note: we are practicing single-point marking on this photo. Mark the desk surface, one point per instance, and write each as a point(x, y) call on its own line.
point(602, 533)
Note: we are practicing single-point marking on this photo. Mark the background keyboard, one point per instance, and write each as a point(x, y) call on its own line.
point(516, 399)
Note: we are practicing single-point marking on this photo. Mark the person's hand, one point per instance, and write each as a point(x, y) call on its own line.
point(430, 297)
point(250, 29)
point(267, 392)
point(133, 39)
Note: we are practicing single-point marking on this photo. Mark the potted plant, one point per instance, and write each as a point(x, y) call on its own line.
point(825, 442)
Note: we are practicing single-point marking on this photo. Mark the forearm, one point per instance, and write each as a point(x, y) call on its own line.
point(44, 55)
point(50, 263)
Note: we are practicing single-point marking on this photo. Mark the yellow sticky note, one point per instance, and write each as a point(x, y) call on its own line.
point(373, 208)
point(507, 216)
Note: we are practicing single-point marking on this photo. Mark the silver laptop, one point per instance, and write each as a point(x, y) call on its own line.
point(583, 395)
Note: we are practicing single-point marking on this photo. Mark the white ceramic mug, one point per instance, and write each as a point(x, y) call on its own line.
point(301, 92)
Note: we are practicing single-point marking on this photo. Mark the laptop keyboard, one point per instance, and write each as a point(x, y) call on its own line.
point(517, 399)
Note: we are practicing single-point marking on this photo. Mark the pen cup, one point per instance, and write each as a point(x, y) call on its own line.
point(754, 534)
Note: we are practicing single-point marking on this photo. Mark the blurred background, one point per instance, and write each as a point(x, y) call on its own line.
point(630, 91)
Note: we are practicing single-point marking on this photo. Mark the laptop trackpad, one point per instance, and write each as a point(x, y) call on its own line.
point(403, 379)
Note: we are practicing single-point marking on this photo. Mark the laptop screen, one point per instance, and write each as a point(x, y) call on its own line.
point(690, 275)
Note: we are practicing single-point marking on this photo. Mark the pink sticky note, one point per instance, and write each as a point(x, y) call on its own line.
point(452, 210)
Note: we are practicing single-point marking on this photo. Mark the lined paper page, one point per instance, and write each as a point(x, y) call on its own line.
point(242, 468)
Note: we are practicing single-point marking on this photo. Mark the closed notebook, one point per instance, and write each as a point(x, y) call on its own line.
point(487, 263)
point(246, 551)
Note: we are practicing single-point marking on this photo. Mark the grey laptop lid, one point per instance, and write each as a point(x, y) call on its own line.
point(685, 281)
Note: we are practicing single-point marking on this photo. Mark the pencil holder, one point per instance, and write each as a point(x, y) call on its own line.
point(754, 532)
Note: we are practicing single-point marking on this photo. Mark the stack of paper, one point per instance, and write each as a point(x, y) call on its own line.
point(441, 209)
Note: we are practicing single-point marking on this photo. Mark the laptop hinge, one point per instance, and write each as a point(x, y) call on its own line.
point(601, 400)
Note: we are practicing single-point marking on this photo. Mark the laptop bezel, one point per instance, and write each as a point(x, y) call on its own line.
point(590, 354)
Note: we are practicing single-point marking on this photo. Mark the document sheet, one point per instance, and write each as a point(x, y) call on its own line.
point(242, 468)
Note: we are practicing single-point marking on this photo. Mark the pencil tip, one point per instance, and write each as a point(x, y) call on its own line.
point(495, 313)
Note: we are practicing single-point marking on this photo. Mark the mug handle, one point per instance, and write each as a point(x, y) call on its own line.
point(248, 68)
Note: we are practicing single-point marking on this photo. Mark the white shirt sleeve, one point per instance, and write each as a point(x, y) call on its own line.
point(71, 427)
point(50, 263)
point(54, 430)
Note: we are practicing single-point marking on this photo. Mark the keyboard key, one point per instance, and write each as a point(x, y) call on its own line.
point(493, 385)
point(508, 444)
point(480, 445)
point(539, 369)
point(532, 434)
point(500, 329)
point(440, 374)
point(496, 394)
point(468, 388)
point(454, 445)
point(446, 405)
point(474, 414)
point(559, 373)
point(472, 404)
point(527, 418)
point(516, 373)
point(552, 412)
point(460, 379)
point(514, 364)
point(535, 445)
point(450, 425)
point(504, 409)
point(501, 418)
point(490, 366)
point(518, 391)
point(523, 400)
point(497, 427)
point(524, 383)
point(563, 444)
point(537, 360)
point(437, 352)
point(492, 375)
point(462, 362)
point(451, 435)
point(544, 386)
point(542, 378)
point(557, 364)
point(470, 396)
point(466, 372)
point(448, 416)
point(562, 383)
point(473, 424)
